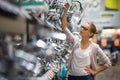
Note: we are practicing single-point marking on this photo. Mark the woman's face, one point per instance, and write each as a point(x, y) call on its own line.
point(85, 30)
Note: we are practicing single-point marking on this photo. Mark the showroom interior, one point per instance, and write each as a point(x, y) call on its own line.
point(32, 42)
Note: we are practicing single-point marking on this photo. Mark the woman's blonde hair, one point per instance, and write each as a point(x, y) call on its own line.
point(93, 29)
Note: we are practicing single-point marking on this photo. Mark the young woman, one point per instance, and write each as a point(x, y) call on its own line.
point(82, 61)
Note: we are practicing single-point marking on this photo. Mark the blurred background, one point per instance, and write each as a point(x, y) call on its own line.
point(32, 42)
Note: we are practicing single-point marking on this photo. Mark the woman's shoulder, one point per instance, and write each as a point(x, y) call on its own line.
point(94, 45)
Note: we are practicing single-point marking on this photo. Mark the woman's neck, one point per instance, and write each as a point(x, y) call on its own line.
point(84, 43)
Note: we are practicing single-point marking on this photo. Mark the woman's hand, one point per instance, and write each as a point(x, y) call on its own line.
point(67, 5)
point(57, 68)
point(89, 70)
point(52, 73)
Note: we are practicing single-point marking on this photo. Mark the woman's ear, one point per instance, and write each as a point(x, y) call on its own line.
point(91, 34)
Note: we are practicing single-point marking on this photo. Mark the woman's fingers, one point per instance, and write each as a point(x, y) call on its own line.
point(89, 70)
point(51, 75)
point(67, 5)
point(57, 68)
